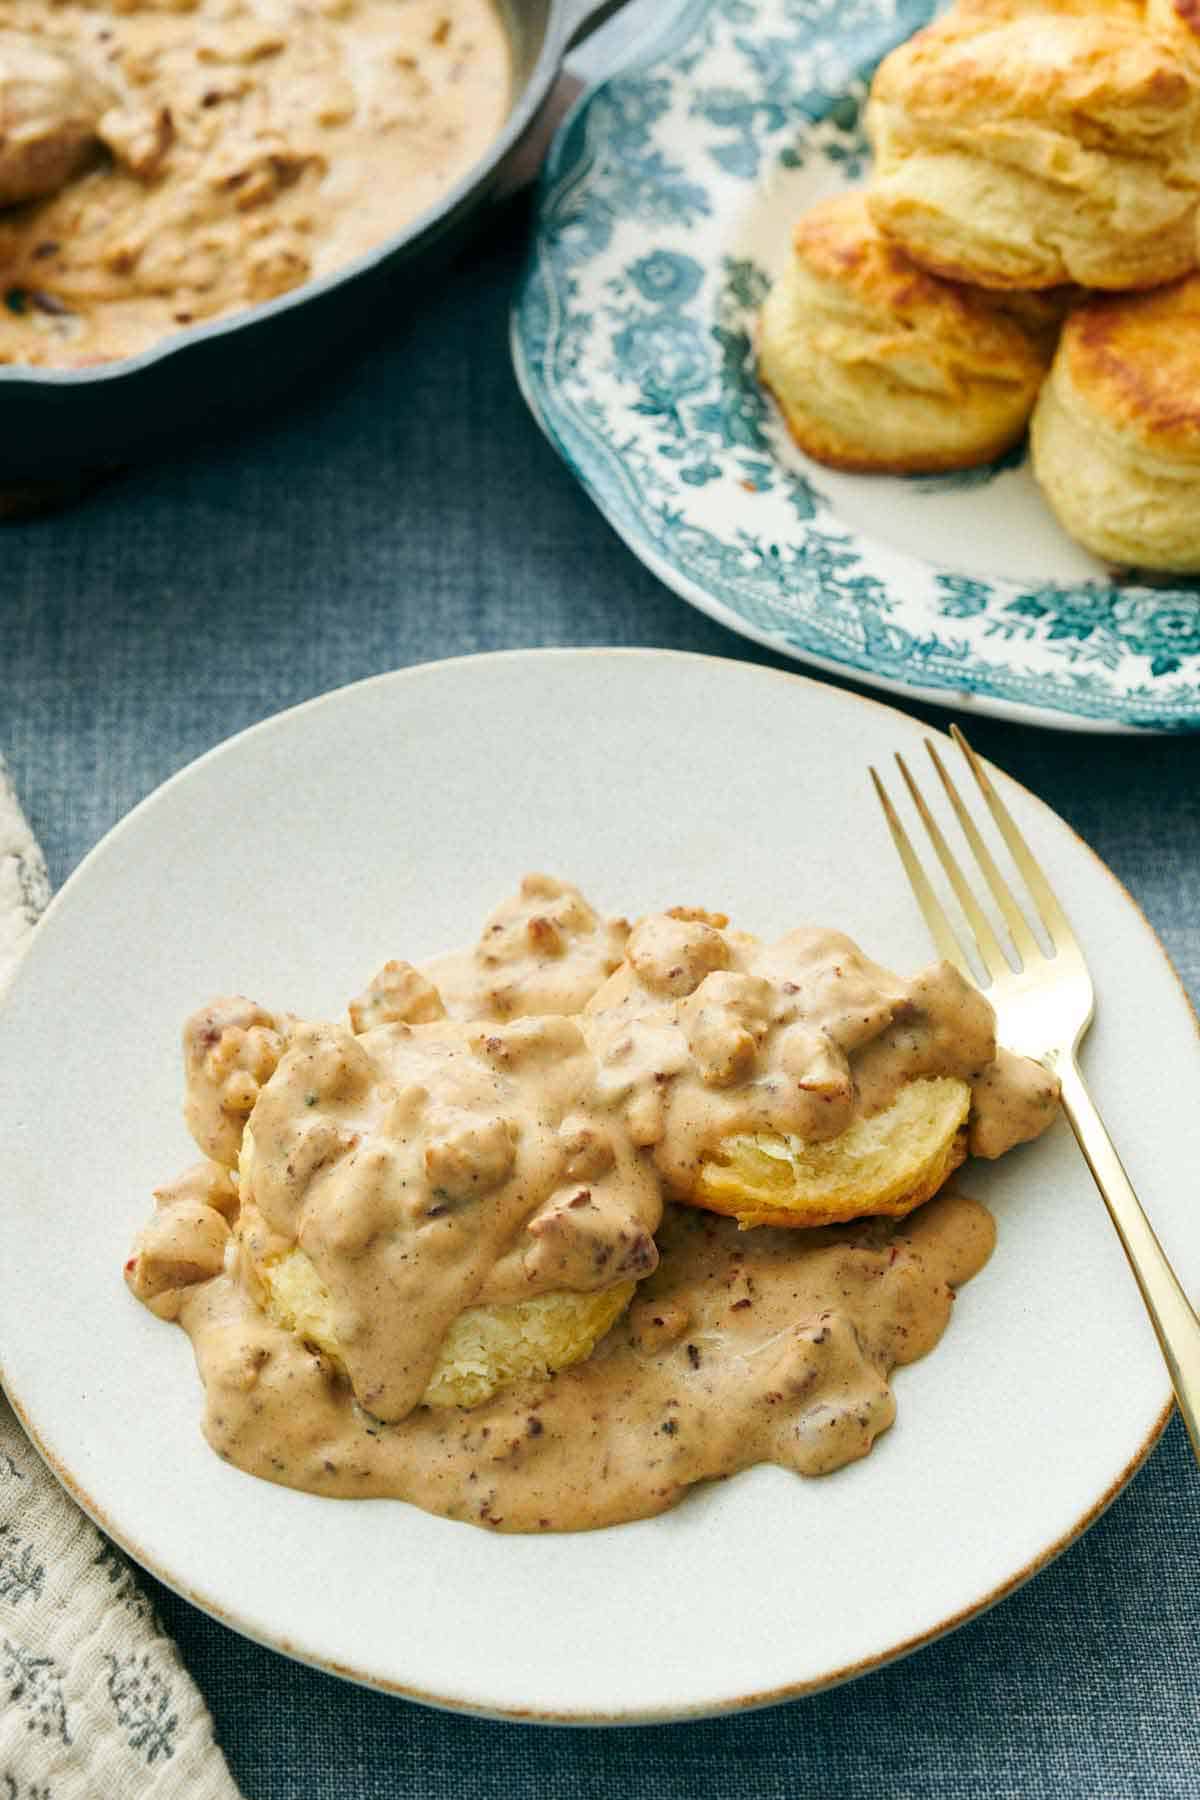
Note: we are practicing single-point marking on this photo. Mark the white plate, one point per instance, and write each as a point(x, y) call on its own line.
point(385, 819)
point(665, 209)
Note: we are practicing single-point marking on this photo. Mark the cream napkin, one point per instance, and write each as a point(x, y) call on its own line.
point(94, 1701)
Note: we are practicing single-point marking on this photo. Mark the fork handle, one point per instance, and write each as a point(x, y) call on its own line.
point(1175, 1323)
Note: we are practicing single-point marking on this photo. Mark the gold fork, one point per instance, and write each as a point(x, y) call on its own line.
point(1043, 1008)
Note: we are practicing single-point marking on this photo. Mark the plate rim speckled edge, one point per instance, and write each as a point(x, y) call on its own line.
point(586, 461)
point(533, 1715)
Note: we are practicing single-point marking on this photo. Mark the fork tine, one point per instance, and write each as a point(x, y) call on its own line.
point(992, 956)
point(1053, 917)
point(939, 925)
point(1027, 946)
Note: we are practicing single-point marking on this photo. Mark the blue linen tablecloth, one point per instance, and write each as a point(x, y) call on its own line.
point(409, 510)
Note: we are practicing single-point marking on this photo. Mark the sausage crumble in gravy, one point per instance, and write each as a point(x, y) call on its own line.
point(477, 1141)
point(164, 162)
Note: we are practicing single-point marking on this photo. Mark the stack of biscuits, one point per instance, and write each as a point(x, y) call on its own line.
point(1025, 255)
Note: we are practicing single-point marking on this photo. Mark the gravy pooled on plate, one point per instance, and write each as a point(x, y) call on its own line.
point(163, 162)
point(451, 1253)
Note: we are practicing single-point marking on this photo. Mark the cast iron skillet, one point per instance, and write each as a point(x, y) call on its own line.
point(58, 423)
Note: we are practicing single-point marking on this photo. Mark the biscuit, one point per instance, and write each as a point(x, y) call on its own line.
point(1116, 432)
point(889, 1163)
point(878, 365)
point(1178, 21)
point(1022, 146)
point(486, 1348)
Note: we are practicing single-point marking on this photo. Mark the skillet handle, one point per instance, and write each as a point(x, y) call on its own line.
point(579, 18)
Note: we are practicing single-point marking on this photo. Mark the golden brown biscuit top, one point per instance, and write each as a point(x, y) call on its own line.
point(1095, 72)
point(837, 242)
point(1178, 18)
point(1137, 362)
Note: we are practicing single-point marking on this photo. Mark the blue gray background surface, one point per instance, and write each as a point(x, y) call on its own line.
point(406, 510)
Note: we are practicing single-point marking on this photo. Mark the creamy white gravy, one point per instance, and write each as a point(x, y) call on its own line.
point(167, 161)
point(744, 1347)
point(425, 1169)
point(509, 1123)
point(704, 1032)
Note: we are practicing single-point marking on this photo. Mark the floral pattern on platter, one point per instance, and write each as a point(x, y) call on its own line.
point(633, 341)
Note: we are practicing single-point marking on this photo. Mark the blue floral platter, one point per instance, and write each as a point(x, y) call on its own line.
point(664, 211)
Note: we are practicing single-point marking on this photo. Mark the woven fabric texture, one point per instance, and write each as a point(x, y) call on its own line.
point(405, 510)
point(95, 1700)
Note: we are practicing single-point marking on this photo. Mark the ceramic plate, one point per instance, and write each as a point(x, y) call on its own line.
point(665, 211)
point(384, 820)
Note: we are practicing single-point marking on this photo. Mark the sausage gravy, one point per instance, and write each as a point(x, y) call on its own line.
point(521, 1121)
point(164, 162)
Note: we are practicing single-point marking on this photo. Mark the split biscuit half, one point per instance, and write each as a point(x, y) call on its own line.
point(888, 1164)
point(486, 1348)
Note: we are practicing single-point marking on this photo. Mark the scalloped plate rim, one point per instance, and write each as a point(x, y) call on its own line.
point(1054, 713)
point(1016, 711)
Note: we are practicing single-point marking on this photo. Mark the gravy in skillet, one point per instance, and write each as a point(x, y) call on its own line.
point(164, 162)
